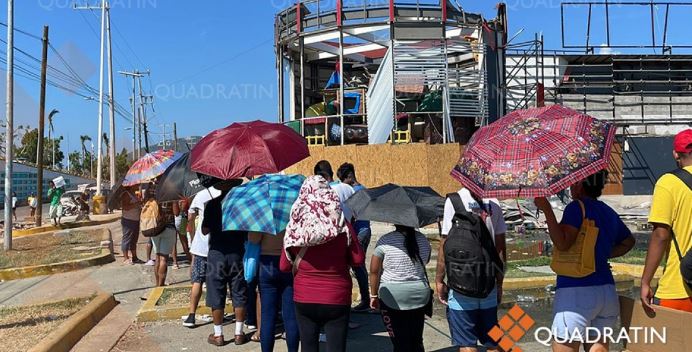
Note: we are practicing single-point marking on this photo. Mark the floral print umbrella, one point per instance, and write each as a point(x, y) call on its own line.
point(150, 166)
point(534, 153)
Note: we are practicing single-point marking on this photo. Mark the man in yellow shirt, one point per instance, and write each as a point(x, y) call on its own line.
point(671, 209)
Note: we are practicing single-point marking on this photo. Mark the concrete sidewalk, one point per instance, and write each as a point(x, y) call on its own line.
point(127, 282)
point(130, 283)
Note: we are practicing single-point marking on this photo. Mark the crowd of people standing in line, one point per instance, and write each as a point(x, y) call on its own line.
point(304, 276)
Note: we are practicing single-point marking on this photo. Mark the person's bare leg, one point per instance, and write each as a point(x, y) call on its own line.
point(468, 349)
point(161, 269)
point(149, 249)
point(566, 347)
point(597, 347)
point(186, 247)
point(195, 296)
point(175, 254)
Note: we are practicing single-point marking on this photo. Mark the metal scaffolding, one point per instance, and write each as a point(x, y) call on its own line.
point(334, 49)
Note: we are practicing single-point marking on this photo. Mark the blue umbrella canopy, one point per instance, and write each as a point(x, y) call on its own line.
point(261, 205)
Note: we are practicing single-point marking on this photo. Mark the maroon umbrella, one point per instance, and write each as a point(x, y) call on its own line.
point(534, 153)
point(247, 149)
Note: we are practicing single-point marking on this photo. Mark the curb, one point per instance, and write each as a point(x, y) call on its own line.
point(150, 312)
point(78, 325)
point(30, 271)
point(634, 270)
point(68, 226)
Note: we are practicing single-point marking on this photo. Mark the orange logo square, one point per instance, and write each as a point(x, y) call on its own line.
point(511, 328)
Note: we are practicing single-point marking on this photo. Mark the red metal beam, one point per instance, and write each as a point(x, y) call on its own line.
point(339, 6)
point(540, 95)
point(391, 10)
point(299, 17)
point(444, 10)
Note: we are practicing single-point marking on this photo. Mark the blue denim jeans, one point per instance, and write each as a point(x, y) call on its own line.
point(251, 307)
point(276, 290)
point(361, 273)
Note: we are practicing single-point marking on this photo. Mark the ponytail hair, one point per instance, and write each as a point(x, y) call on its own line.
point(410, 240)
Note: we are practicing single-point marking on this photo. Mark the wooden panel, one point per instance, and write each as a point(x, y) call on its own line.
point(614, 185)
point(415, 164)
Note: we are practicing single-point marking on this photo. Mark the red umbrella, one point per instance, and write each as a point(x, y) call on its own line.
point(534, 153)
point(247, 149)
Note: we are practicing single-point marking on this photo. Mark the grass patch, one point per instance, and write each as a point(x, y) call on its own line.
point(513, 270)
point(49, 249)
point(635, 256)
point(174, 297)
point(515, 273)
point(25, 326)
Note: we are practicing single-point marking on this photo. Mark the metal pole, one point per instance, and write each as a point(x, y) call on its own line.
point(41, 123)
point(111, 151)
point(341, 84)
point(100, 121)
point(175, 137)
point(164, 137)
point(9, 134)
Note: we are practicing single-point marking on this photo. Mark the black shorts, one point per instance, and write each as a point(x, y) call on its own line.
point(225, 271)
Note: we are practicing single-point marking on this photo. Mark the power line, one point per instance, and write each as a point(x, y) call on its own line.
point(223, 62)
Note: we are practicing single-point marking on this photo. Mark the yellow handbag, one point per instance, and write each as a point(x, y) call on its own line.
point(580, 259)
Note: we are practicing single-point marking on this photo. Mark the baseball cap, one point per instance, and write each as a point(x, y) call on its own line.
point(683, 141)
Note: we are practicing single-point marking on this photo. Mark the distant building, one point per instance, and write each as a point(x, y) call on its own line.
point(184, 144)
point(24, 181)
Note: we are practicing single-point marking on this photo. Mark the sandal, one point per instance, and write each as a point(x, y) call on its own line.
point(255, 337)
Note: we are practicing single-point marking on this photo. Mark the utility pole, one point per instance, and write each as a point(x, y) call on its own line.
point(111, 99)
point(9, 133)
point(144, 99)
point(41, 123)
point(164, 136)
point(175, 137)
point(136, 123)
point(100, 114)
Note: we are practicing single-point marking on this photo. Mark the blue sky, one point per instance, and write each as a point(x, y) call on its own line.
point(212, 62)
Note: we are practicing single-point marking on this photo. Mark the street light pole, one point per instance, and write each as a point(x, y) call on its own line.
point(9, 134)
point(111, 151)
point(100, 122)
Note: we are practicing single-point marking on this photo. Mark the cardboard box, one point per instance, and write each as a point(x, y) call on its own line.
point(676, 325)
point(59, 182)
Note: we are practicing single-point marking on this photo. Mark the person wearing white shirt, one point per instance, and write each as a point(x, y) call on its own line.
point(199, 249)
point(471, 318)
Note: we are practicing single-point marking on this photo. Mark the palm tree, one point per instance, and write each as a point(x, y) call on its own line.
point(106, 140)
point(84, 139)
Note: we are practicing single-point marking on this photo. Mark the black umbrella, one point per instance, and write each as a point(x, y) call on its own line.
point(408, 206)
point(114, 196)
point(179, 181)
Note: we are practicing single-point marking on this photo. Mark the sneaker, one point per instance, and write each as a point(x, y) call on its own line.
point(251, 327)
point(190, 321)
point(363, 307)
point(150, 263)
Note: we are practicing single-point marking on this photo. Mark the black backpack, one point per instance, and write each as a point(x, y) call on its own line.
point(471, 260)
point(686, 259)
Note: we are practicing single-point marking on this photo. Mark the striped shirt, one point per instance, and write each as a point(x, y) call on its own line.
point(397, 266)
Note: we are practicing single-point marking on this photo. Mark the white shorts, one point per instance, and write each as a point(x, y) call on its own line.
point(55, 211)
point(576, 308)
